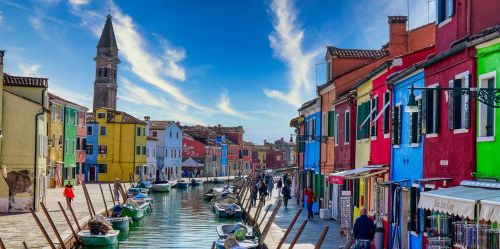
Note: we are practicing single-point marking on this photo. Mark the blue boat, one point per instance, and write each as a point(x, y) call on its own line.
point(181, 184)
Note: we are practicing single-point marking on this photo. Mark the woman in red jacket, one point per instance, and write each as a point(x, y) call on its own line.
point(309, 194)
point(68, 193)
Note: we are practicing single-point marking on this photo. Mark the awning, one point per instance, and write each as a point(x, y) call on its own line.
point(460, 200)
point(339, 177)
point(388, 183)
point(490, 209)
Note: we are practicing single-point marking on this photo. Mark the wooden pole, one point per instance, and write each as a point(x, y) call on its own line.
point(321, 237)
point(68, 221)
point(213, 245)
point(265, 214)
point(112, 195)
point(25, 245)
point(88, 195)
point(74, 216)
point(270, 222)
point(42, 229)
point(123, 192)
point(296, 238)
point(54, 228)
point(259, 208)
point(289, 229)
point(104, 200)
point(86, 201)
point(2, 246)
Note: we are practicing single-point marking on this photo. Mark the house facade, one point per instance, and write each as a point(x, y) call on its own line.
point(81, 141)
point(55, 162)
point(169, 148)
point(91, 169)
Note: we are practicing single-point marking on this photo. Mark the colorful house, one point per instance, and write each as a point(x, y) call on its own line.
point(91, 169)
point(488, 117)
point(56, 141)
point(24, 142)
point(81, 141)
point(169, 148)
point(151, 168)
point(121, 151)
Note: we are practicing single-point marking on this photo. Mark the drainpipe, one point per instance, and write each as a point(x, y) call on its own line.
point(36, 144)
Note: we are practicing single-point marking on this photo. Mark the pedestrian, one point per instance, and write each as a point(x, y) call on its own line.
point(116, 190)
point(364, 230)
point(263, 191)
point(270, 186)
point(68, 193)
point(279, 185)
point(255, 190)
point(309, 194)
point(286, 195)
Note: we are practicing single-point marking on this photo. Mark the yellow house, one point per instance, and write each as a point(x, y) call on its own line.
point(55, 127)
point(24, 142)
point(122, 141)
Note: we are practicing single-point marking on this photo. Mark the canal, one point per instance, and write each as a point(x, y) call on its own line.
point(180, 219)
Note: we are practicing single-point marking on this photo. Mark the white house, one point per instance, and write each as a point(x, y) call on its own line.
point(151, 160)
point(168, 148)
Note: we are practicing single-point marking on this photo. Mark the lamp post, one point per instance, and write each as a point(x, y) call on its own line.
point(304, 138)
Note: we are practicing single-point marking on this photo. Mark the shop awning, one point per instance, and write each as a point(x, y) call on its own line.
point(490, 209)
point(388, 183)
point(339, 177)
point(460, 200)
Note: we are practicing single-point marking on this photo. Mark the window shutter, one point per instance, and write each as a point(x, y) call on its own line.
point(439, 11)
point(451, 8)
point(331, 123)
point(393, 135)
point(400, 123)
point(412, 127)
point(358, 122)
point(467, 103)
point(366, 126)
point(450, 107)
point(419, 121)
point(423, 112)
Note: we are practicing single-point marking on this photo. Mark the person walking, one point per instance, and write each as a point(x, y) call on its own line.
point(255, 190)
point(68, 193)
point(263, 191)
point(286, 195)
point(270, 186)
point(279, 185)
point(364, 231)
point(308, 193)
point(116, 190)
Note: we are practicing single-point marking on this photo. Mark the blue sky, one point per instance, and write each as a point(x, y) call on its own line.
point(233, 62)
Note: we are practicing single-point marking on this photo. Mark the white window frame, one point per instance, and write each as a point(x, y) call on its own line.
point(374, 98)
point(54, 113)
point(483, 78)
point(336, 130)
point(347, 127)
point(105, 130)
point(461, 76)
point(61, 114)
point(388, 134)
point(414, 145)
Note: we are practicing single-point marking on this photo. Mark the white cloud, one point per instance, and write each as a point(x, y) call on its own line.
point(1, 17)
point(286, 42)
point(79, 97)
point(29, 69)
point(172, 58)
point(225, 107)
point(75, 3)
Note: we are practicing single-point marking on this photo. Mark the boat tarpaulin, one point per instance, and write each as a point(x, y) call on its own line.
point(490, 209)
point(460, 200)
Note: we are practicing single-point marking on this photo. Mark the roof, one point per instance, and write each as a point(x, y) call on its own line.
point(10, 80)
point(227, 129)
point(308, 104)
point(159, 125)
point(397, 19)
point(199, 132)
point(22, 97)
point(356, 53)
point(152, 138)
point(107, 39)
point(126, 118)
point(53, 96)
point(90, 117)
point(371, 74)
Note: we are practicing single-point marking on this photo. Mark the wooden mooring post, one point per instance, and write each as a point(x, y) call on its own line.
point(89, 200)
point(42, 228)
point(321, 237)
point(112, 194)
point(262, 202)
point(104, 200)
point(289, 229)
point(297, 236)
point(265, 214)
point(68, 221)
point(54, 228)
point(74, 216)
point(25, 245)
point(2, 246)
point(270, 222)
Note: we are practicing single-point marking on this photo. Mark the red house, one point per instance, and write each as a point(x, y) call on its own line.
point(192, 147)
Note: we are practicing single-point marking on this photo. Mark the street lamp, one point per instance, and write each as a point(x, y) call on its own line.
point(304, 138)
point(412, 104)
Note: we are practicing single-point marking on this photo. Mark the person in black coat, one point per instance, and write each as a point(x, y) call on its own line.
point(364, 231)
point(279, 185)
point(255, 190)
point(287, 194)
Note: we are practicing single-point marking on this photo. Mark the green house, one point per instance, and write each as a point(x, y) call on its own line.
point(69, 152)
point(488, 117)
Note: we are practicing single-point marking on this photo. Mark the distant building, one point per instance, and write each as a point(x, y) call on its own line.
point(168, 148)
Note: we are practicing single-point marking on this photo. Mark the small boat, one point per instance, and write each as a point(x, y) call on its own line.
point(111, 238)
point(133, 191)
point(135, 211)
point(161, 186)
point(182, 184)
point(226, 197)
point(196, 182)
point(229, 229)
point(250, 244)
point(144, 198)
point(228, 210)
point(119, 223)
point(144, 184)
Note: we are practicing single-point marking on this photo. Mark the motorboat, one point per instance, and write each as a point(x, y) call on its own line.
point(226, 230)
point(196, 182)
point(228, 210)
point(182, 184)
point(88, 239)
point(161, 186)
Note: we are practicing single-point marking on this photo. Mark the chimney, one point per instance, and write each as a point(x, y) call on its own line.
point(397, 35)
point(147, 118)
point(2, 53)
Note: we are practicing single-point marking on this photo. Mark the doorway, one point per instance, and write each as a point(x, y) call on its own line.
point(92, 174)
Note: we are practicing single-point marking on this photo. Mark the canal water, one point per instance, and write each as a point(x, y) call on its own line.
point(180, 219)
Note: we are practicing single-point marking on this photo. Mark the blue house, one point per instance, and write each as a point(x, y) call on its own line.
point(311, 175)
point(91, 167)
point(406, 161)
point(223, 157)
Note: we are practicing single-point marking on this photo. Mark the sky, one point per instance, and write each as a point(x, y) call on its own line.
point(207, 62)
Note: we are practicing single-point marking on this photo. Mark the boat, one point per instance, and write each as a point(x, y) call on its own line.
point(225, 197)
point(119, 223)
point(250, 244)
point(133, 191)
point(161, 186)
point(182, 184)
point(111, 238)
point(229, 229)
point(134, 210)
point(196, 182)
point(228, 210)
point(144, 198)
point(144, 184)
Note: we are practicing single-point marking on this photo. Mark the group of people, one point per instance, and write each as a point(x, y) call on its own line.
point(264, 185)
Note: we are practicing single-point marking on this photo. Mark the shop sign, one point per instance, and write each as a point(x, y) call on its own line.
point(336, 180)
point(345, 212)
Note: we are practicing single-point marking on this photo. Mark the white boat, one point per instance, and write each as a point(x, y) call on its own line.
point(250, 244)
point(226, 198)
point(228, 229)
point(228, 210)
point(161, 186)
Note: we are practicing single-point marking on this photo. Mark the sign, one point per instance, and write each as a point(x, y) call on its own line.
point(345, 212)
point(336, 180)
point(443, 162)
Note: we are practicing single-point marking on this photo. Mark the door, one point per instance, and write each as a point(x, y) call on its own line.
point(335, 201)
point(92, 174)
point(405, 201)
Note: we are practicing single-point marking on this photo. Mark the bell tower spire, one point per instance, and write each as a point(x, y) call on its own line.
point(105, 86)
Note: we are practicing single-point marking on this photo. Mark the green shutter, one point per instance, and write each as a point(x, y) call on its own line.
point(358, 117)
point(419, 121)
point(450, 107)
point(331, 123)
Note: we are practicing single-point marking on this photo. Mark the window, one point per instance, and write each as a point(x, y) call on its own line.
point(328, 71)
point(103, 149)
point(387, 112)
point(75, 118)
point(355, 192)
point(459, 105)
point(416, 123)
point(363, 124)
point(53, 142)
point(144, 150)
point(414, 211)
point(60, 140)
point(144, 131)
point(347, 123)
point(313, 127)
point(177, 134)
point(430, 111)
point(78, 143)
point(103, 130)
point(54, 113)
point(66, 146)
point(138, 131)
point(74, 147)
point(323, 124)
point(61, 114)
point(445, 9)
point(89, 149)
point(331, 123)
point(103, 168)
point(101, 115)
point(171, 134)
point(138, 150)
point(175, 153)
point(166, 153)
point(89, 130)
point(336, 133)
point(487, 113)
point(397, 113)
point(155, 134)
point(373, 113)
